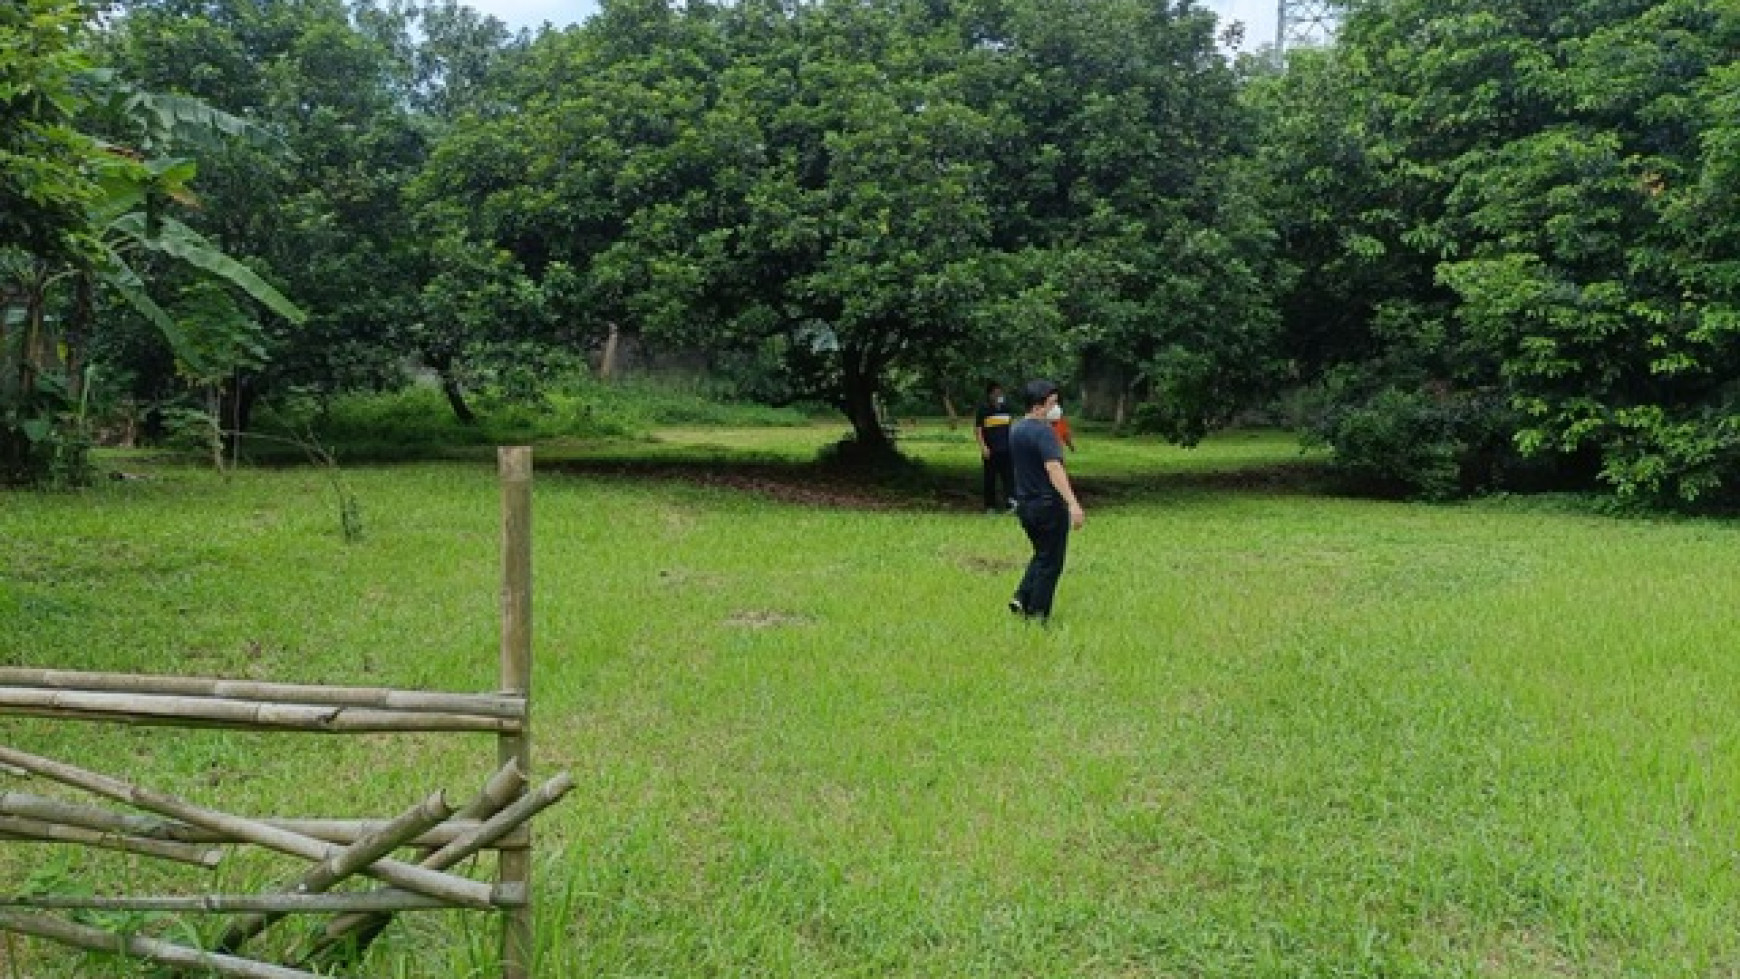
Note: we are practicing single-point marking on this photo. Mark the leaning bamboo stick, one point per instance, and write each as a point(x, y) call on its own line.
point(384, 899)
point(503, 787)
point(50, 832)
point(345, 863)
point(498, 825)
point(359, 930)
point(134, 708)
point(97, 940)
point(344, 832)
point(458, 890)
point(488, 705)
point(30, 806)
point(348, 831)
point(340, 831)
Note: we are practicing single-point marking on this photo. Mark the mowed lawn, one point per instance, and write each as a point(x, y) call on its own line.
point(1270, 733)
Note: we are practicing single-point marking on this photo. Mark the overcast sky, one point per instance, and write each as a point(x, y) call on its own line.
point(1258, 15)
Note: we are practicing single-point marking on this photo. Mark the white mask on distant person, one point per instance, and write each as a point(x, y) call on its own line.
point(1054, 413)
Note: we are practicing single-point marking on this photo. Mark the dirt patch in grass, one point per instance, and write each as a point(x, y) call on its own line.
point(765, 619)
point(686, 578)
point(984, 564)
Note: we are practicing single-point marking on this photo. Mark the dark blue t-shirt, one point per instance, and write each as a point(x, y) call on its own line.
point(1033, 443)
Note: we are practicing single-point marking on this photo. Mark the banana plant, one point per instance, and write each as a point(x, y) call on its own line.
point(135, 189)
point(133, 186)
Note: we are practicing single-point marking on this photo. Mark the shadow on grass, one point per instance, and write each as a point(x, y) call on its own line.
point(904, 484)
point(830, 478)
point(921, 485)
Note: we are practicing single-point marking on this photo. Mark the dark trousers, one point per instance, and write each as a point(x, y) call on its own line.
point(999, 466)
point(1047, 526)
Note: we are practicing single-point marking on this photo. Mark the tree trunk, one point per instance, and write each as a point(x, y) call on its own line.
point(78, 327)
point(456, 400)
point(236, 407)
point(1118, 411)
point(30, 338)
point(859, 382)
point(214, 409)
point(443, 366)
point(6, 301)
point(949, 409)
point(607, 366)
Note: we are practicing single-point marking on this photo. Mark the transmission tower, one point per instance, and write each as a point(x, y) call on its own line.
point(1305, 23)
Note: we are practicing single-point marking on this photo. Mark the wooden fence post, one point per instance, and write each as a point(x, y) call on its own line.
point(515, 865)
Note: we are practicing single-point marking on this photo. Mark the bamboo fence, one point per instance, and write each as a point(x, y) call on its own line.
point(338, 850)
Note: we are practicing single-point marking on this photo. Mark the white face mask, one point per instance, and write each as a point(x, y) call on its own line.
point(1054, 413)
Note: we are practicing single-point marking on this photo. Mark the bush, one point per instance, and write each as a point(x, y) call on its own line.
point(44, 453)
point(1424, 444)
point(44, 440)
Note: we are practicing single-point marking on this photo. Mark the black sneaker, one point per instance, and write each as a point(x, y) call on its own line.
point(1016, 608)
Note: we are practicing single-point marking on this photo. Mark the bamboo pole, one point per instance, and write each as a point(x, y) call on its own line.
point(359, 930)
point(459, 890)
point(505, 785)
point(385, 899)
point(487, 705)
point(340, 831)
point(134, 708)
point(26, 805)
point(97, 940)
point(348, 831)
point(515, 866)
point(346, 863)
point(498, 825)
point(49, 832)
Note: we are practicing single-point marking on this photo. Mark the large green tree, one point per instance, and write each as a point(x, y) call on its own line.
point(866, 194)
point(1508, 239)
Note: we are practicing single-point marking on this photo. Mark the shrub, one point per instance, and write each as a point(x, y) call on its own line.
point(1427, 444)
point(44, 439)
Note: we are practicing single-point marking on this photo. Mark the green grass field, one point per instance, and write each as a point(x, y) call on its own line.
point(1270, 733)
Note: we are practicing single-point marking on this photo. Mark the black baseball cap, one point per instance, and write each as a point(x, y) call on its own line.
point(1038, 391)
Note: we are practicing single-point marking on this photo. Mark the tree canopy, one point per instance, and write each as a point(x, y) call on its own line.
point(1520, 253)
point(1475, 244)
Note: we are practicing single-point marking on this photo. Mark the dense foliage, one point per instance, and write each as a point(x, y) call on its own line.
point(855, 196)
point(1517, 225)
point(1488, 243)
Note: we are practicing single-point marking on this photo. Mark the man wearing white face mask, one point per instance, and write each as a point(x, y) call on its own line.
point(1060, 427)
point(1045, 502)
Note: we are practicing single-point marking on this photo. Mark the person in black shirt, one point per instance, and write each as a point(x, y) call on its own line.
point(1044, 500)
point(991, 429)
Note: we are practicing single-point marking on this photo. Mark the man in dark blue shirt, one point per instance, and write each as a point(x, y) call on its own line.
point(991, 429)
point(1044, 500)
